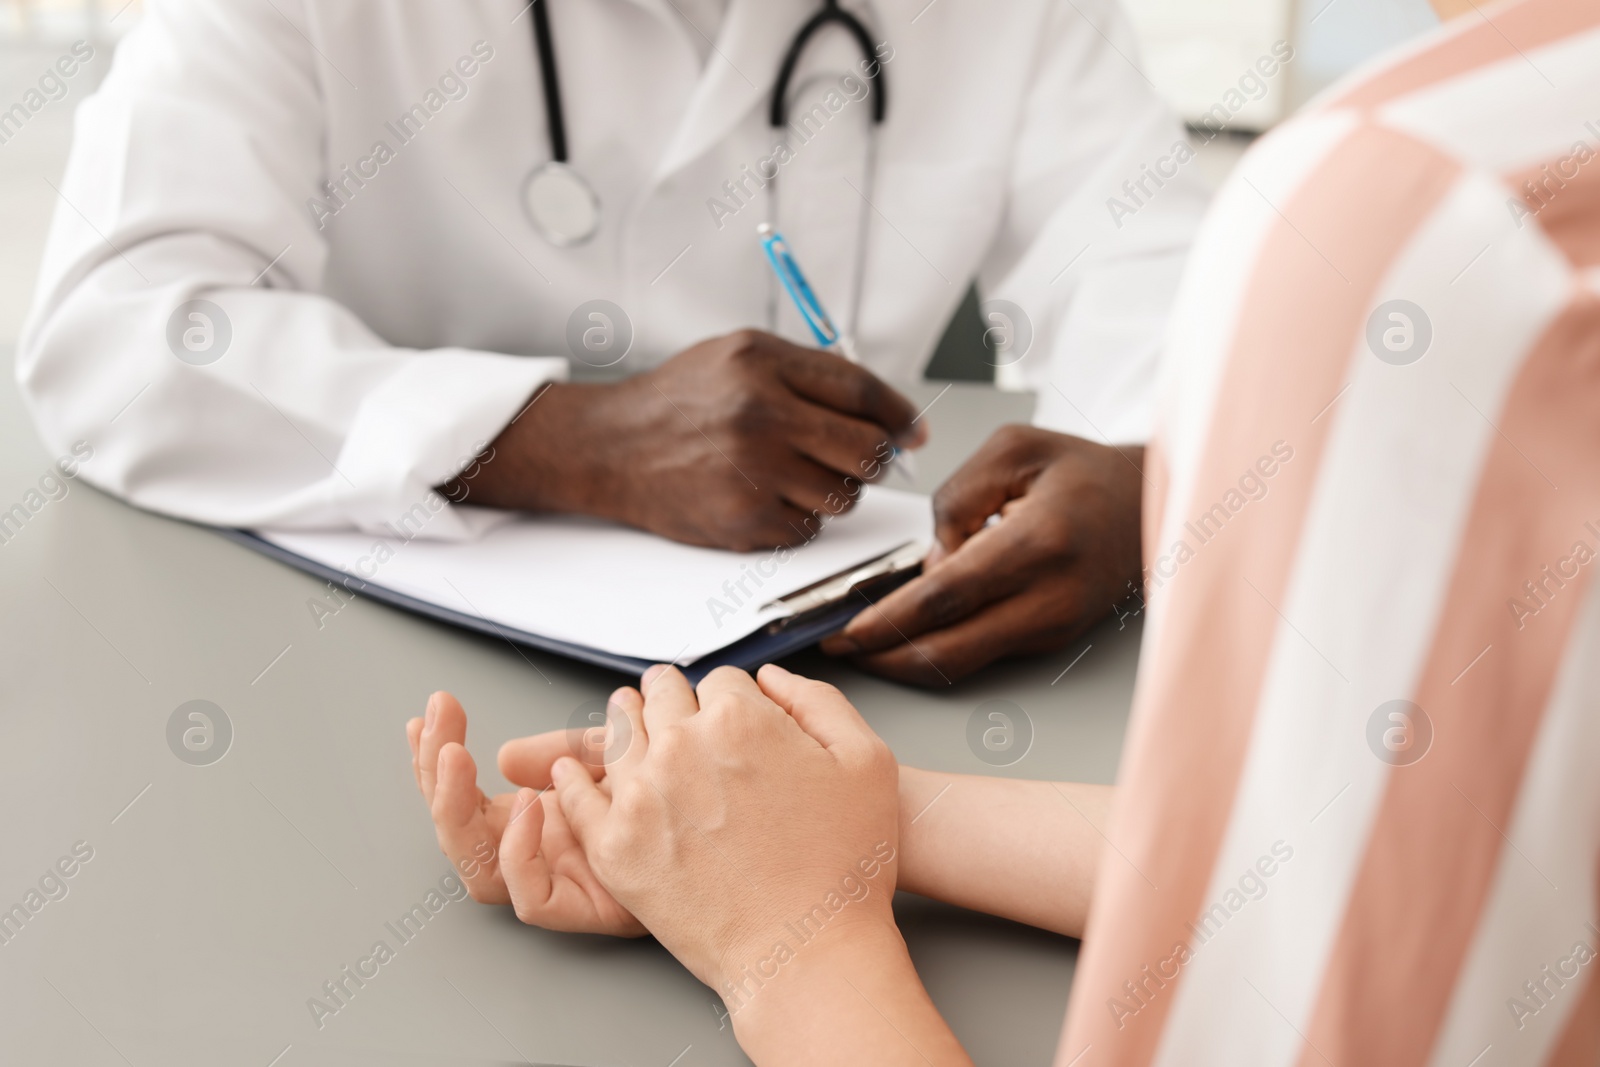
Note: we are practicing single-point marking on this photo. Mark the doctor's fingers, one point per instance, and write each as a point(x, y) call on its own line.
point(835, 382)
point(443, 722)
point(741, 526)
point(1010, 627)
point(462, 826)
point(853, 447)
point(1003, 468)
point(989, 567)
point(814, 489)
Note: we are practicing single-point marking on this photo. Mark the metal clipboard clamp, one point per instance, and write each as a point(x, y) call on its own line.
point(867, 583)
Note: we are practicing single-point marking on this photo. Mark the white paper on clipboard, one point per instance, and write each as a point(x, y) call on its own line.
point(613, 588)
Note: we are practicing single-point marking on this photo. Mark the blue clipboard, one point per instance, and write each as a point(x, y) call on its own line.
point(774, 641)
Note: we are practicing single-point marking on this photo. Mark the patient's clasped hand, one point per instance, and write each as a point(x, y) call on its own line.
point(757, 828)
point(716, 821)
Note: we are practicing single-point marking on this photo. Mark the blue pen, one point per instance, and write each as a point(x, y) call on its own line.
point(793, 280)
point(822, 326)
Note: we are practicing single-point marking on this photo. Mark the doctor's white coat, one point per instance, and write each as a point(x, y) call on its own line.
point(342, 179)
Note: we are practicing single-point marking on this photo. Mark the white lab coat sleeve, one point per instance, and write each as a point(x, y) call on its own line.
point(1094, 283)
point(189, 175)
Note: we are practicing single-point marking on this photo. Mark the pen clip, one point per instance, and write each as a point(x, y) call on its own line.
point(799, 290)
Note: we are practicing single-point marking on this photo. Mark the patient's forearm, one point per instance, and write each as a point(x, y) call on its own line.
point(1018, 849)
point(848, 999)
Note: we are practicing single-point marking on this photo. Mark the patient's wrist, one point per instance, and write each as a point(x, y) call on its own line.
point(781, 1003)
point(919, 790)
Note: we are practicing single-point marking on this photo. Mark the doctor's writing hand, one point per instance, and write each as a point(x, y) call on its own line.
point(1059, 559)
point(515, 848)
point(742, 442)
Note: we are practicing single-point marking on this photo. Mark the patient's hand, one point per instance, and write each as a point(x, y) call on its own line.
point(515, 848)
point(753, 827)
point(738, 812)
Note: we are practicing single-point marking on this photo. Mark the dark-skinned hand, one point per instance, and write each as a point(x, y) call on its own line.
point(1060, 557)
point(738, 442)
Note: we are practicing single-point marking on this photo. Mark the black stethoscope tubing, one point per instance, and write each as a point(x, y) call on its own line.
point(555, 114)
point(831, 12)
point(778, 115)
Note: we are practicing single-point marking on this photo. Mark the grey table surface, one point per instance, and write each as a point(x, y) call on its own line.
point(220, 898)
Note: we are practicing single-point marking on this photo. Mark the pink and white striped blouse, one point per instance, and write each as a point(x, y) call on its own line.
point(1359, 821)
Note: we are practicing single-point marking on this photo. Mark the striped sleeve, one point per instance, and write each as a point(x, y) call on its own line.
point(1359, 820)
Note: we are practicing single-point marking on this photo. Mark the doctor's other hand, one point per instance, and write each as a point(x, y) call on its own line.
point(1061, 556)
point(514, 848)
point(743, 442)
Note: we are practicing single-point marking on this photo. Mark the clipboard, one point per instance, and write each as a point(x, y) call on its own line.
point(813, 612)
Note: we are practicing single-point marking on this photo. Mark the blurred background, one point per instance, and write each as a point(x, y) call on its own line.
point(1195, 52)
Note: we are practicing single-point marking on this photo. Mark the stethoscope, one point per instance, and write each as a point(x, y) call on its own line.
point(561, 204)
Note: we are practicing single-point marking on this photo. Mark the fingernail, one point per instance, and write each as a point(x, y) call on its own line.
point(653, 673)
point(840, 645)
point(560, 771)
point(427, 715)
point(914, 436)
point(774, 667)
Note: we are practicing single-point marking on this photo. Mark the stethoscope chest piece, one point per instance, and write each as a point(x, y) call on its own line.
point(564, 207)
point(561, 205)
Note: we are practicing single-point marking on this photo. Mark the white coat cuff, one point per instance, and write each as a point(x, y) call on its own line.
point(427, 422)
